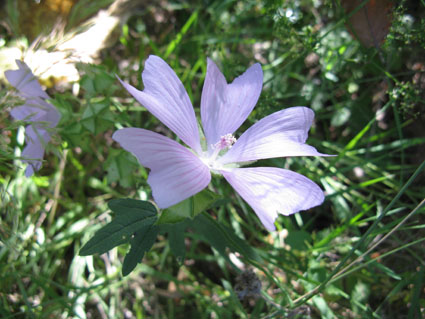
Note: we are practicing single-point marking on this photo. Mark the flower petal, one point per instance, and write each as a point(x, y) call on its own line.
point(224, 107)
point(280, 134)
point(166, 98)
point(52, 115)
point(36, 140)
point(28, 113)
point(43, 115)
point(270, 190)
point(25, 81)
point(176, 173)
point(36, 110)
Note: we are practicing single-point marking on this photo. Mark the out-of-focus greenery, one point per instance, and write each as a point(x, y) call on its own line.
point(359, 255)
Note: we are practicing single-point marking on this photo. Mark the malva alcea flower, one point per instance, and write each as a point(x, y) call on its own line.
point(177, 172)
point(41, 115)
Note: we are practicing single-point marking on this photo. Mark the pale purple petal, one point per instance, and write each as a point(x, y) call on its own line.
point(52, 115)
point(166, 98)
point(270, 190)
point(36, 139)
point(280, 134)
point(176, 173)
point(36, 110)
point(25, 81)
point(27, 113)
point(43, 116)
point(224, 107)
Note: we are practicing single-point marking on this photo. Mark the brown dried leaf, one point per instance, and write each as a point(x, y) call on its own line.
point(371, 23)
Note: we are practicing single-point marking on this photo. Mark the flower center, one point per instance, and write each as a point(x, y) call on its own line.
point(225, 142)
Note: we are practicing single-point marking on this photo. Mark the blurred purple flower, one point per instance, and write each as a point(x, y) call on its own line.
point(40, 115)
point(177, 172)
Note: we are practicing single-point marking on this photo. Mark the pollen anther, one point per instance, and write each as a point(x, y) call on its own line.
point(226, 141)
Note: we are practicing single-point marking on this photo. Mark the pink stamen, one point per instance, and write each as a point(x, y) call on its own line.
point(226, 141)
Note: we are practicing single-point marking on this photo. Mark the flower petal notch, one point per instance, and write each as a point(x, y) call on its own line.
point(177, 173)
point(166, 98)
point(41, 115)
point(224, 107)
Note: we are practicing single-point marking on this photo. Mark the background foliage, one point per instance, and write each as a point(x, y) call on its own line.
point(359, 255)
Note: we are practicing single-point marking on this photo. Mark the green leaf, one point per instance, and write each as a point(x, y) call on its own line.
point(131, 215)
point(88, 85)
point(73, 134)
point(202, 201)
point(120, 166)
point(103, 82)
point(142, 242)
point(323, 307)
point(297, 239)
point(221, 236)
point(97, 81)
point(97, 117)
point(359, 296)
point(388, 271)
point(188, 208)
point(176, 240)
point(123, 205)
point(176, 213)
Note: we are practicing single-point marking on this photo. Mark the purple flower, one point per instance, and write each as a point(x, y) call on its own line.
point(41, 115)
point(176, 172)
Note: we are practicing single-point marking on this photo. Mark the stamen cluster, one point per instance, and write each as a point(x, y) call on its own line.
point(226, 141)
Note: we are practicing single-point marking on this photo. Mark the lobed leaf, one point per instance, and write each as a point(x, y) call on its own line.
point(131, 216)
point(220, 236)
point(140, 243)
